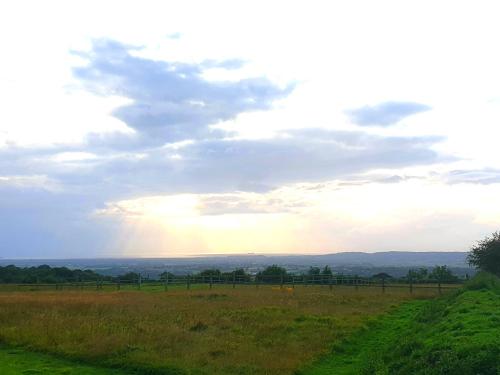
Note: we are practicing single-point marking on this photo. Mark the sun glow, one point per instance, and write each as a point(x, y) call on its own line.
point(303, 219)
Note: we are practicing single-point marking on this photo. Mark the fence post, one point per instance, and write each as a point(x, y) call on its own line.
point(211, 281)
point(118, 285)
point(331, 282)
point(293, 282)
point(383, 284)
point(188, 282)
point(139, 282)
point(411, 285)
point(439, 285)
point(281, 282)
point(234, 280)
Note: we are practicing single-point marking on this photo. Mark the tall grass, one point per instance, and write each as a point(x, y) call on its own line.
point(225, 331)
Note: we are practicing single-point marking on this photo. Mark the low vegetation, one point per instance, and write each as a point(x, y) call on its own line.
point(246, 330)
point(17, 361)
point(485, 255)
point(456, 334)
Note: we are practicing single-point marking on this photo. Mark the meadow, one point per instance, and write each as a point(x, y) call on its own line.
point(224, 330)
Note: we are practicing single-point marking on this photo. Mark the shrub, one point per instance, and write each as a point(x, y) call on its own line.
point(486, 254)
point(483, 280)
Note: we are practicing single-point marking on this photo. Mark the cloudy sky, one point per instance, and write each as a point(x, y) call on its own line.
point(195, 127)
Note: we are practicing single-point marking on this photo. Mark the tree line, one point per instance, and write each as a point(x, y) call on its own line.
point(274, 273)
point(45, 274)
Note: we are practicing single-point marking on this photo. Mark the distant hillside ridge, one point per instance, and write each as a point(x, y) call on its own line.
point(399, 258)
point(383, 258)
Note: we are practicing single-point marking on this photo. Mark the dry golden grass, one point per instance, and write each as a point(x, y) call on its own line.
point(223, 331)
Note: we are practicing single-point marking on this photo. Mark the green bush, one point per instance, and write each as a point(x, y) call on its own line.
point(484, 281)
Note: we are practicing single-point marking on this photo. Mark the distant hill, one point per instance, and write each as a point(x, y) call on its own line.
point(397, 258)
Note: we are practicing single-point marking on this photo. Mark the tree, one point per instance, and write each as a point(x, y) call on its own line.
point(272, 273)
point(239, 274)
point(442, 273)
point(273, 270)
point(313, 271)
point(46, 274)
point(417, 275)
point(129, 277)
point(210, 273)
point(326, 271)
point(486, 254)
point(382, 275)
point(167, 275)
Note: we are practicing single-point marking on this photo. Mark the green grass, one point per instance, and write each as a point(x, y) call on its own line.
point(17, 362)
point(456, 334)
point(245, 330)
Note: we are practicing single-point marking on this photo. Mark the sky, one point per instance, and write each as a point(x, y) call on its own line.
point(180, 128)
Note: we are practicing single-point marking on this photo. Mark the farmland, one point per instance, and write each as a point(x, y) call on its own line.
point(224, 330)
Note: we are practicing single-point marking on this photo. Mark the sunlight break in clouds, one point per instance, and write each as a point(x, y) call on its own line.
point(195, 131)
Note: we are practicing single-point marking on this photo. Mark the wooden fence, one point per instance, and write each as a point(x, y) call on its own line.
point(289, 281)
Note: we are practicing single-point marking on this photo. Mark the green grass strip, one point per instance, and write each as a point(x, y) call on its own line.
point(455, 334)
point(352, 355)
point(17, 361)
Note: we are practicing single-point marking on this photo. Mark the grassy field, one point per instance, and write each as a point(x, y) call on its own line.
point(224, 331)
point(456, 334)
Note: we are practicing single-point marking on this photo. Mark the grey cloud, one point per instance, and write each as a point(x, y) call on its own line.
point(303, 157)
point(171, 101)
point(40, 223)
point(224, 204)
point(379, 179)
point(174, 35)
point(254, 187)
point(223, 165)
point(485, 176)
point(385, 114)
